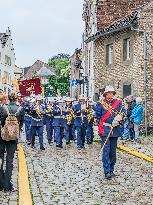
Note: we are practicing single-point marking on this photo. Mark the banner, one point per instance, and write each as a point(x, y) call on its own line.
point(28, 87)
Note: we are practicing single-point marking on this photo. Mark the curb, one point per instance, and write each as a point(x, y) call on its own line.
point(135, 153)
point(132, 152)
point(25, 197)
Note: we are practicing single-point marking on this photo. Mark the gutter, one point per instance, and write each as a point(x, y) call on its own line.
point(103, 34)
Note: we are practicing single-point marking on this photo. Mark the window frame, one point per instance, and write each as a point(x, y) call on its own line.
point(127, 61)
point(109, 54)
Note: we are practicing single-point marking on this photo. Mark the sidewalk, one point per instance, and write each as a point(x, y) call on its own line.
point(145, 147)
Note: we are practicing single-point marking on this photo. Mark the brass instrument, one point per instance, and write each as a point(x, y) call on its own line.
point(49, 109)
point(90, 116)
point(38, 110)
point(70, 116)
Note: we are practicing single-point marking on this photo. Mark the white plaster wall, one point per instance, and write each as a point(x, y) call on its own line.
point(9, 51)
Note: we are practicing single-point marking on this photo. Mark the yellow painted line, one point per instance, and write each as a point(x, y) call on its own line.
point(25, 197)
point(135, 153)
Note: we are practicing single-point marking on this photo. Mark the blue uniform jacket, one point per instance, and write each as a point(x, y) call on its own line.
point(36, 120)
point(100, 111)
point(48, 115)
point(77, 113)
point(26, 107)
point(57, 120)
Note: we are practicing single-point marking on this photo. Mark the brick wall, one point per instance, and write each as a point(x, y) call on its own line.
point(109, 11)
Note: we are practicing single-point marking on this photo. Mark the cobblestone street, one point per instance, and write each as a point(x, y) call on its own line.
point(70, 176)
point(74, 177)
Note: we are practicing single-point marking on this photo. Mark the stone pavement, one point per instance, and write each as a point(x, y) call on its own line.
point(11, 198)
point(145, 147)
point(72, 177)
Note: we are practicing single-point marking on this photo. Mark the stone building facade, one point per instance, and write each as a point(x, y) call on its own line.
point(76, 73)
point(118, 55)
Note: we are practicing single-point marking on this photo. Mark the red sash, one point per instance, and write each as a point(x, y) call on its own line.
point(106, 116)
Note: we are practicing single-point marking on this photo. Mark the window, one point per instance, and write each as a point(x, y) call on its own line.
point(7, 60)
point(109, 54)
point(126, 90)
point(126, 49)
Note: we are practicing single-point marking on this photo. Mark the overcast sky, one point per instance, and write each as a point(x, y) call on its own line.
point(42, 28)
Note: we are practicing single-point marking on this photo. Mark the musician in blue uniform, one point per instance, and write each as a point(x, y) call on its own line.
point(68, 122)
point(109, 112)
point(37, 122)
point(48, 119)
point(90, 121)
point(27, 119)
point(79, 121)
point(84, 118)
point(57, 122)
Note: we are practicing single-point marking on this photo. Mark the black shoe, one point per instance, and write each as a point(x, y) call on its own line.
point(108, 176)
point(112, 174)
point(59, 146)
point(9, 190)
point(49, 141)
point(80, 147)
point(42, 148)
point(67, 143)
point(28, 143)
point(33, 146)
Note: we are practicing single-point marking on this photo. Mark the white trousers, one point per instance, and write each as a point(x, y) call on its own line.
point(136, 130)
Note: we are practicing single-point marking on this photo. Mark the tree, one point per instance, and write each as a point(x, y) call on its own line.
point(61, 64)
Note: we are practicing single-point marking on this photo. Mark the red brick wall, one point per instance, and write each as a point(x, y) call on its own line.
point(109, 11)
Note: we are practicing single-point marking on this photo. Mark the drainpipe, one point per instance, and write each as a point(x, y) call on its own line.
point(145, 74)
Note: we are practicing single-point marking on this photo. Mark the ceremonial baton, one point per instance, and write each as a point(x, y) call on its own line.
point(106, 140)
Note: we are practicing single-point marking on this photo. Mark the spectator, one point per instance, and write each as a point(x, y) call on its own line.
point(131, 104)
point(136, 116)
point(9, 146)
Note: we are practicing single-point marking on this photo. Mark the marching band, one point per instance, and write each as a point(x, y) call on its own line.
point(63, 118)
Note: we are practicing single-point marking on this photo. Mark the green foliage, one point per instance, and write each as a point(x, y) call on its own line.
point(61, 64)
point(34, 74)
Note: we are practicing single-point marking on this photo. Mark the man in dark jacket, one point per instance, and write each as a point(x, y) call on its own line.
point(8, 146)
